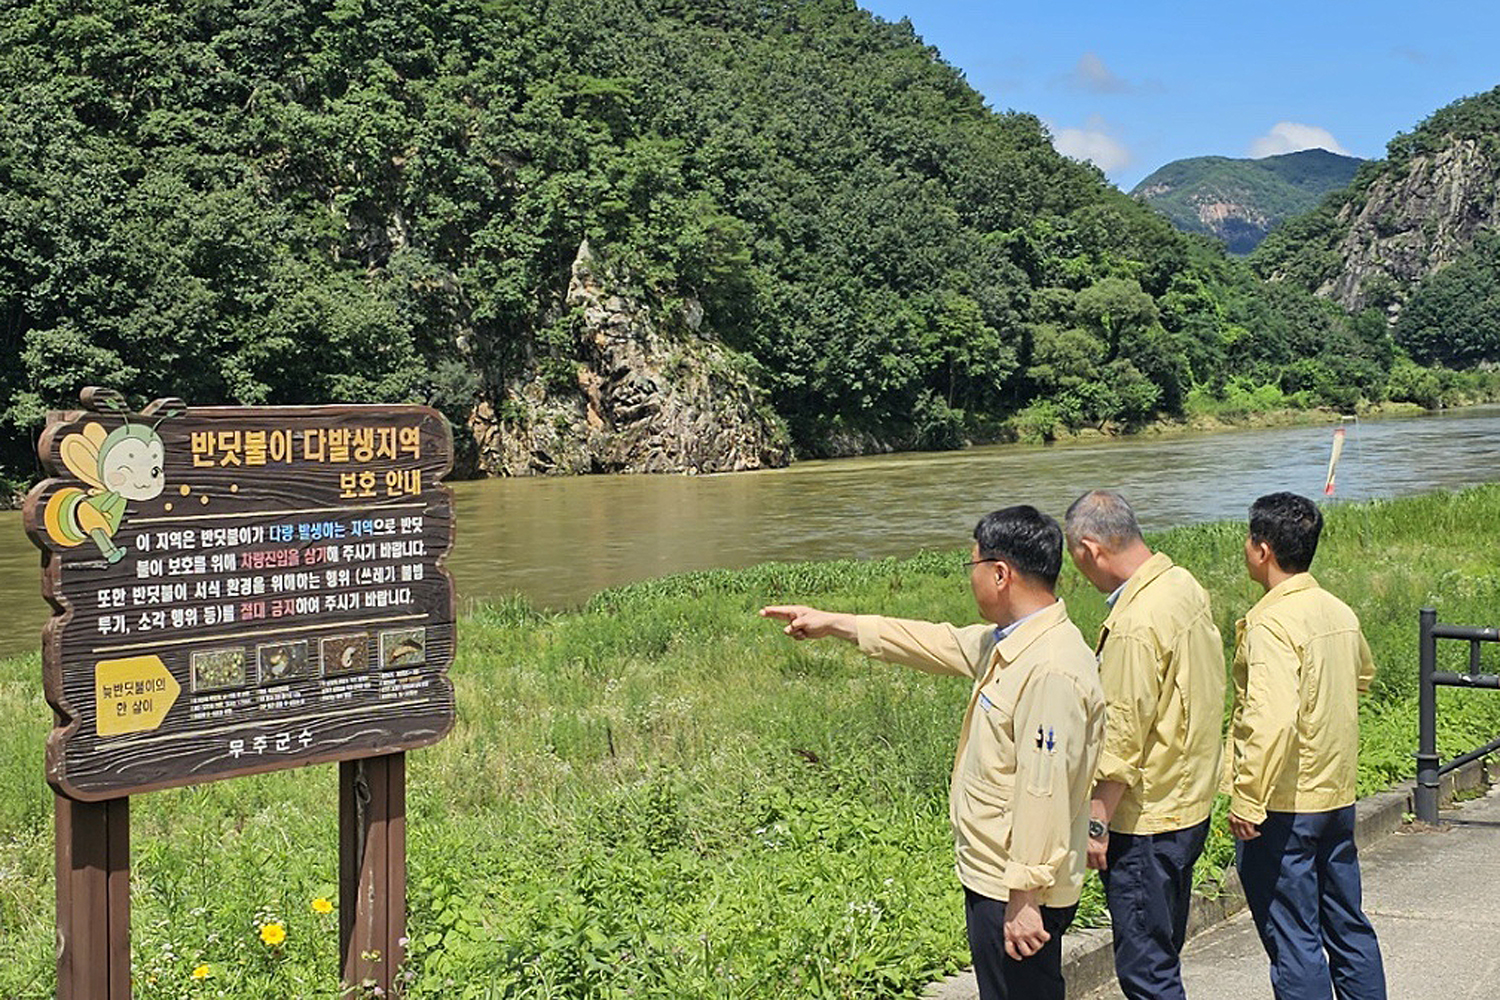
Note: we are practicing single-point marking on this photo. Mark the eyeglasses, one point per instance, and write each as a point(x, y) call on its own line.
point(975, 562)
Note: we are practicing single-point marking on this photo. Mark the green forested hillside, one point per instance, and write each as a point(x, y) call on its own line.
point(304, 200)
point(1238, 201)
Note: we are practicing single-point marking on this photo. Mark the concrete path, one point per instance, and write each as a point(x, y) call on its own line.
point(1433, 895)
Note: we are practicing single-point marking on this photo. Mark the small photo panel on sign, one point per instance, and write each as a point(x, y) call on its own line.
point(219, 669)
point(283, 661)
point(404, 647)
point(345, 654)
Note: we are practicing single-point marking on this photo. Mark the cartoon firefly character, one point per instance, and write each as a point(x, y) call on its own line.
point(121, 465)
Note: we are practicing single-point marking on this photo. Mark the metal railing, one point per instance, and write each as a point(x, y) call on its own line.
point(1429, 767)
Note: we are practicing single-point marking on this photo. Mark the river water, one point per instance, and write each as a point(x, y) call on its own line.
point(558, 541)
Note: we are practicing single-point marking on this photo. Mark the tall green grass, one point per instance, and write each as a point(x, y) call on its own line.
point(659, 795)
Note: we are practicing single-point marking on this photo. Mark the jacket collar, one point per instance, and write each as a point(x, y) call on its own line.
point(1013, 645)
point(1146, 572)
point(1291, 585)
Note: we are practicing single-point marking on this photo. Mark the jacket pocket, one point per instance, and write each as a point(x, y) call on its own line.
point(982, 825)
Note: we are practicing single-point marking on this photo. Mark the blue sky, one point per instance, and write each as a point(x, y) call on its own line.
point(1134, 85)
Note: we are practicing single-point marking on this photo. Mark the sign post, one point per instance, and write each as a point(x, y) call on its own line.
point(372, 868)
point(239, 590)
point(93, 899)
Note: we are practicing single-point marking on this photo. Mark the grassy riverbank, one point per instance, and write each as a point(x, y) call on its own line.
point(1241, 404)
point(661, 796)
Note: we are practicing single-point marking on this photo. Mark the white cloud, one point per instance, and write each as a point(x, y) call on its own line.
point(1092, 75)
point(1289, 137)
point(1092, 143)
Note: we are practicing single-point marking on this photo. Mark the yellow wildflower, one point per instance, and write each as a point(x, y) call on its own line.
point(321, 905)
point(202, 971)
point(273, 933)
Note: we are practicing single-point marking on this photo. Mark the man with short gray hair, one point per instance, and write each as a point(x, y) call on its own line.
point(1161, 664)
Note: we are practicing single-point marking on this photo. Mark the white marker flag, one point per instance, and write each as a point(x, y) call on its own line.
point(1333, 460)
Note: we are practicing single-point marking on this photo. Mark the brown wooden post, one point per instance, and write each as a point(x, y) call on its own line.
point(93, 899)
point(372, 869)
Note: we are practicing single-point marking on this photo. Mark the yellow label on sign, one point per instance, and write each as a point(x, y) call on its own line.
point(132, 695)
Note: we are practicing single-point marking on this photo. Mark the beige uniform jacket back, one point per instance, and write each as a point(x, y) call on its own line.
point(1300, 662)
point(1161, 662)
point(1019, 793)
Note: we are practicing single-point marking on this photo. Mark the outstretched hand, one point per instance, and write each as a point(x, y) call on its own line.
point(803, 622)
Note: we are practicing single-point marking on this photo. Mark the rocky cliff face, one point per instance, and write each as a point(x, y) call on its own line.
point(652, 395)
point(1408, 224)
point(1239, 227)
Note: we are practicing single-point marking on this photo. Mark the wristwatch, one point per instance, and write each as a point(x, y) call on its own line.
point(1097, 830)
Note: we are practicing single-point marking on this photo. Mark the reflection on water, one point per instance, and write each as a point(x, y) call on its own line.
point(558, 541)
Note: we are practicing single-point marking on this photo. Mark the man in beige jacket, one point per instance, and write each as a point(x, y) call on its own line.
point(1300, 662)
point(1161, 662)
point(1019, 792)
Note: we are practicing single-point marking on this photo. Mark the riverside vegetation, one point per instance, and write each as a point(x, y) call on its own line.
point(659, 795)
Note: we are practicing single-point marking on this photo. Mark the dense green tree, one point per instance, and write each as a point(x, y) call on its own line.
point(1454, 318)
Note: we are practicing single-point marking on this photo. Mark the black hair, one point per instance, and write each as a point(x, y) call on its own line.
point(1026, 538)
point(1290, 525)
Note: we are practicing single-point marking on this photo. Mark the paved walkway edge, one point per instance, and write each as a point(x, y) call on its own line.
point(1088, 958)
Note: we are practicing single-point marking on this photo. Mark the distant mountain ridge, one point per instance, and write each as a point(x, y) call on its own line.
point(1239, 201)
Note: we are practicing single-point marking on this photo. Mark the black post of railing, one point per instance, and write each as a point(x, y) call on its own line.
point(1427, 758)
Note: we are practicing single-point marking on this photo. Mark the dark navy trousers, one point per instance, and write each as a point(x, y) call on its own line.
point(1001, 977)
point(1301, 879)
point(1149, 885)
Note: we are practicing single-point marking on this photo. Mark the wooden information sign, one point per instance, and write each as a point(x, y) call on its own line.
point(241, 589)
